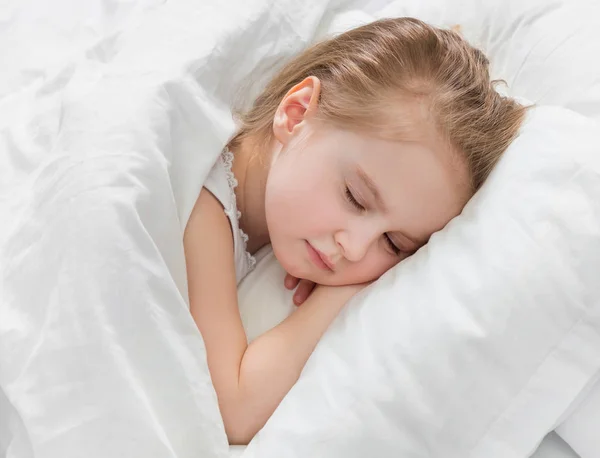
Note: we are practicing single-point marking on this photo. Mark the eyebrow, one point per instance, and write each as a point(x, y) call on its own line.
point(370, 184)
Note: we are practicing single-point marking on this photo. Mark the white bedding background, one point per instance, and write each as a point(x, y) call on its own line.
point(111, 113)
point(264, 302)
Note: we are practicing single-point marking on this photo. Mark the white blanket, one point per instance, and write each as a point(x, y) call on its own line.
point(111, 114)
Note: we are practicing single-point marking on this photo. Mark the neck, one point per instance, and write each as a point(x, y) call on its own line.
point(251, 168)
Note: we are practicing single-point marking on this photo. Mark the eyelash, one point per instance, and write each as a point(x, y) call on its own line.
point(350, 197)
point(393, 247)
point(353, 200)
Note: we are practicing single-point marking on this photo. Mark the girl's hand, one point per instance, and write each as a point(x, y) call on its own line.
point(303, 290)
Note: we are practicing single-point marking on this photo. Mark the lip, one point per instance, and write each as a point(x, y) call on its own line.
point(318, 258)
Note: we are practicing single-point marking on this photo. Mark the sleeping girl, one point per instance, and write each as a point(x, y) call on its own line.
point(354, 154)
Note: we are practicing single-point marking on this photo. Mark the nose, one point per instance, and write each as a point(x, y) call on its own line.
point(354, 241)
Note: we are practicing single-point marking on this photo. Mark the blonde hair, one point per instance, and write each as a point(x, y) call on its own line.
point(368, 75)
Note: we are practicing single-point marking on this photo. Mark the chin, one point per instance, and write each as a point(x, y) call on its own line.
point(290, 267)
point(297, 266)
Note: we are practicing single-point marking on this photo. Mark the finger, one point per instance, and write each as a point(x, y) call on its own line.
point(303, 291)
point(290, 282)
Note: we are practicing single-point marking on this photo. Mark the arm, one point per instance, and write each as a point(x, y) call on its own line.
point(250, 381)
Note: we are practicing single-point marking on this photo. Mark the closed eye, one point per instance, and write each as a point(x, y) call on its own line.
point(393, 247)
point(350, 198)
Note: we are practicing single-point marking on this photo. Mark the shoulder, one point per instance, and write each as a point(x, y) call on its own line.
point(207, 206)
point(207, 235)
point(221, 183)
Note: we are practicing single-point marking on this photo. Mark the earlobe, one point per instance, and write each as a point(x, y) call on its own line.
point(298, 105)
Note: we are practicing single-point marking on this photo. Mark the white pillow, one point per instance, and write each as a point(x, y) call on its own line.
point(479, 343)
point(542, 50)
point(582, 425)
point(553, 446)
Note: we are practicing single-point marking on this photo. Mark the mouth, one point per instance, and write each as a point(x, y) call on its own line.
point(318, 258)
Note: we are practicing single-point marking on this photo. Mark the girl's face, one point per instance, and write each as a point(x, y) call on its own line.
point(343, 208)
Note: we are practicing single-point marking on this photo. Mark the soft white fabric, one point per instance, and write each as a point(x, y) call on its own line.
point(554, 447)
point(111, 114)
point(582, 423)
point(543, 50)
point(477, 345)
point(264, 302)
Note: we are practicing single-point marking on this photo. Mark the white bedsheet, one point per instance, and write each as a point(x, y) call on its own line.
point(100, 356)
point(111, 114)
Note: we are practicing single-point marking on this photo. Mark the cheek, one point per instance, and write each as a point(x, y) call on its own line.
point(308, 217)
point(305, 205)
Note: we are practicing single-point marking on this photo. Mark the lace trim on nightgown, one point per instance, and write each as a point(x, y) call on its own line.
point(233, 210)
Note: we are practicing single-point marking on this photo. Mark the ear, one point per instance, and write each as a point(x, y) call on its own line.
point(298, 105)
